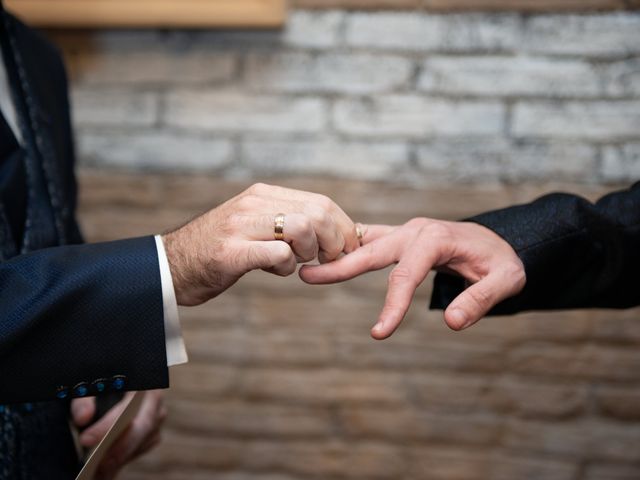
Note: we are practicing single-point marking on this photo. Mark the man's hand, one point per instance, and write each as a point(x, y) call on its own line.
point(490, 266)
point(142, 435)
point(212, 252)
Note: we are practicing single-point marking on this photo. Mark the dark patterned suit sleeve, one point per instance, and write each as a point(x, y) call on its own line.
point(576, 254)
point(81, 320)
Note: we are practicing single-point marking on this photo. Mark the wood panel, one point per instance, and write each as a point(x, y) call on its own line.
point(151, 13)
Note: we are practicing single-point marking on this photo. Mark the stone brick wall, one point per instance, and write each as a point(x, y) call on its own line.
point(402, 97)
point(394, 114)
point(284, 382)
point(471, 5)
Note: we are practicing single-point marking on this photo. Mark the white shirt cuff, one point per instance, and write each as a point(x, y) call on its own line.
point(176, 351)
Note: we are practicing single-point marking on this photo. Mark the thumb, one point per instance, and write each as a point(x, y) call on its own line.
point(476, 301)
point(83, 410)
point(273, 256)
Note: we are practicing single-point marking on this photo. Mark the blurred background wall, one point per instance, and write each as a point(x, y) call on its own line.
point(394, 110)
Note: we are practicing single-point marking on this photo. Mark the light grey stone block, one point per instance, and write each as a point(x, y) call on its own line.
point(108, 107)
point(154, 150)
point(621, 163)
point(594, 121)
point(372, 161)
point(233, 111)
point(509, 76)
point(411, 116)
point(313, 29)
point(424, 32)
point(613, 34)
point(343, 73)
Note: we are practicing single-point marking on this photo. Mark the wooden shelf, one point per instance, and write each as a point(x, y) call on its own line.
point(151, 13)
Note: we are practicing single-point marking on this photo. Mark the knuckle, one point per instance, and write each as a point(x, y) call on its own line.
point(480, 296)
point(247, 202)
point(400, 276)
point(257, 188)
point(319, 214)
point(332, 251)
point(338, 245)
point(331, 225)
point(437, 230)
point(306, 226)
point(324, 202)
point(281, 253)
point(417, 223)
point(514, 270)
point(369, 255)
point(306, 257)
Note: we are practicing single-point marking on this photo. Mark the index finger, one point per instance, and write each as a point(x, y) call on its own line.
point(415, 264)
point(373, 256)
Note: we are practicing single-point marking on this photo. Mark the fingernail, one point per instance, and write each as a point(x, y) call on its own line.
point(459, 318)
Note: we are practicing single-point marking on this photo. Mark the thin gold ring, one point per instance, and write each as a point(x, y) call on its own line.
point(359, 232)
point(279, 227)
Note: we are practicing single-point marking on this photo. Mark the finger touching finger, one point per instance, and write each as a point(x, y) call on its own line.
point(331, 238)
point(299, 233)
point(373, 232)
point(374, 256)
point(348, 229)
point(342, 221)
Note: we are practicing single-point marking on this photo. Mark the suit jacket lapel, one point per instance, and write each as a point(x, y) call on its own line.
point(43, 224)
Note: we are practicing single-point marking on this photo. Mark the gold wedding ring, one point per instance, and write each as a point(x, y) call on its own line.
point(279, 227)
point(359, 232)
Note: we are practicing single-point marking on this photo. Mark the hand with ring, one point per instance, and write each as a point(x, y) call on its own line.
point(492, 269)
point(265, 227)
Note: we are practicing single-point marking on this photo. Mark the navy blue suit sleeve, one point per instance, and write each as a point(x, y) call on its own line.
point(81, 320)
point(576, 254)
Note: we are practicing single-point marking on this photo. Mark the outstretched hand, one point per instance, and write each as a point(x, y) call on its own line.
point(490, 266)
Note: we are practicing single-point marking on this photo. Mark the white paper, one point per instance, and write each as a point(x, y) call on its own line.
point(118, 427)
